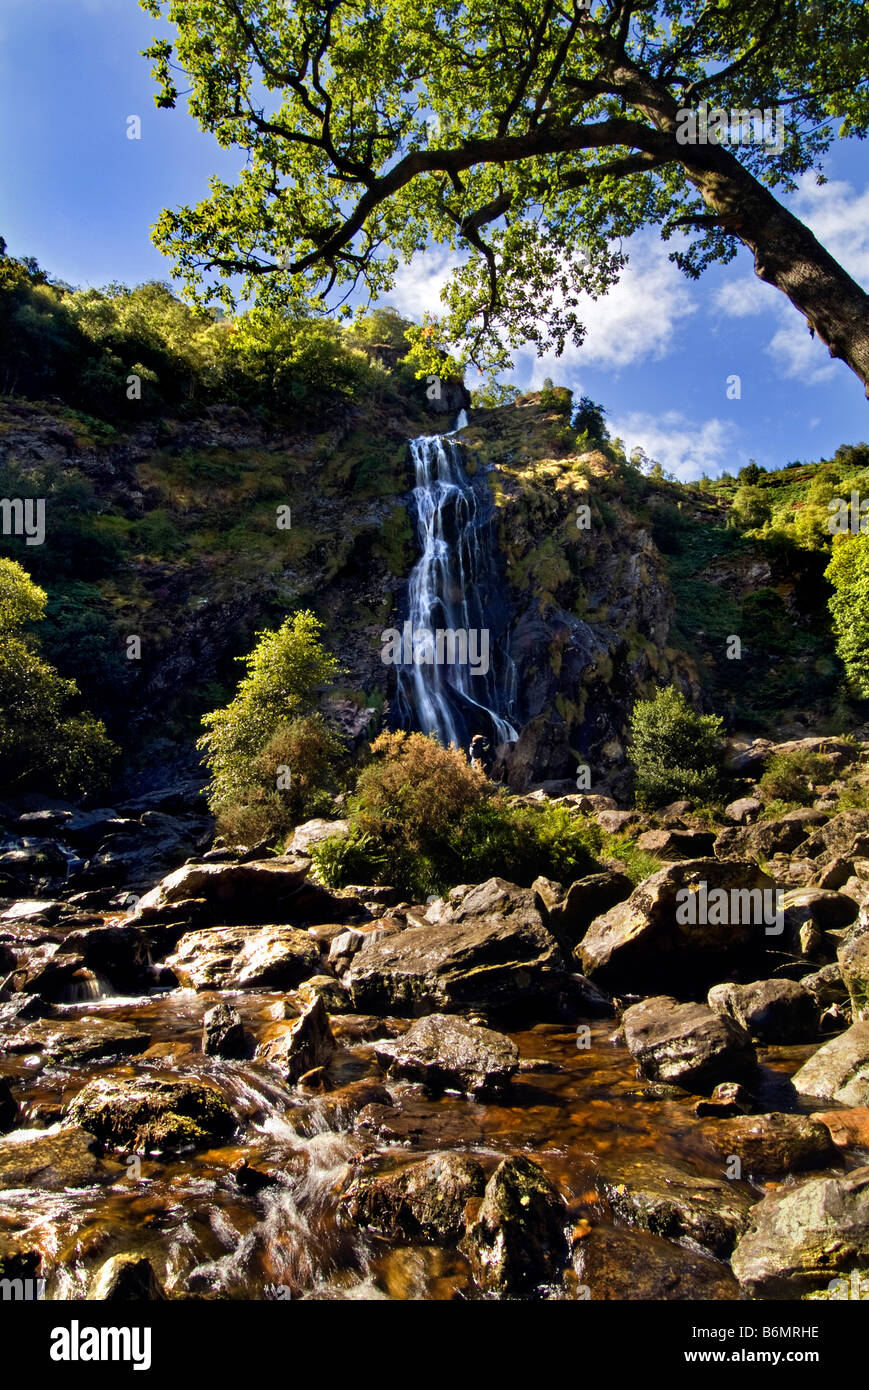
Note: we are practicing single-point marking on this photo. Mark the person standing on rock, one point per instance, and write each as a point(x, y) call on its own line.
point(478, 753)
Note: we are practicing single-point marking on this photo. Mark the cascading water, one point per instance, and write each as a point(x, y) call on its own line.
point(454, 590)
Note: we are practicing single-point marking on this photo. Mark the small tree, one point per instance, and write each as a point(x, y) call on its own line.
point(675, 752)
point(284, 672)
point(848, 572)
point(750, 508)
point(39, 738)
point(590, 419)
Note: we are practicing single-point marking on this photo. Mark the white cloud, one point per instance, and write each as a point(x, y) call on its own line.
point(839, 218)
point(796, 353)
point(418, 285)
point(683, 447)
point(744, 296)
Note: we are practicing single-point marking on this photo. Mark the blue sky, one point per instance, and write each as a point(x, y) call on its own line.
point(80, 196)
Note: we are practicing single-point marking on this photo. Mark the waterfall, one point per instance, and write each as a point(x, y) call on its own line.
point(457, 598)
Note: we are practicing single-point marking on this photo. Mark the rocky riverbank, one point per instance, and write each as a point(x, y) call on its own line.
point(219, 1079)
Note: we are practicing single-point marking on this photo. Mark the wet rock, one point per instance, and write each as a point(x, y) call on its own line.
point(569, 914)
point(516, 1241)
point(339, 1109)
point(77, 1040)
point(126, 1279)
point(677, 844)
point(744, 810)
point(854, 965)
point(686, 1044)
point(775, 1143)
point(223, 1032)
point(769, 1010)
point(257, 891)
point(423, 1200)
point(728, 1098)
point(445, 1053)
point(642, 944)
point(46, 971)
point(52, 1160)
point(617, 1263)
point(42, 911)
point(296, 1048)
point(313, 832)
point(801, 1238)
point(276, 957)
point(491, 951)
point(122, 954)
point(144, 1113)
point(9, 1111)
point(839, 1070)
point(670, 1200)
point(848, 1129)
point(333, 994)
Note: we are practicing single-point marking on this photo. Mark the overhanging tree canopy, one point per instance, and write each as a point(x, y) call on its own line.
point(531, 136)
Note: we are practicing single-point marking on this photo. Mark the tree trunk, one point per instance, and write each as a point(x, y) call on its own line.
point(786, 255)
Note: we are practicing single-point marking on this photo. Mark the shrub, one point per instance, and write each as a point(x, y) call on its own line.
point(848, 572)
point(268, 724)
point(675, 752)
point(791, 777)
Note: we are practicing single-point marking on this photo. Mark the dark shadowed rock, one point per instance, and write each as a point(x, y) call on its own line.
point(55, 1160)
point(836, 838)
point(259, 891)
point(686, 1044)
point(839, 1070)
point(800, 1238)
point(618, 1263)
point(569, 914)
point(677, 844)
point(670, 1200)
point(223, 1033)
point(516, 1241)
point(77, 1039)
point(9, 1111)
point(445, 1053)
point(770, 1010)
point(651, 942)
point(146, 1113)
point(423, 1200)
point(126, 1279)
point(296, 1048)
point(775, 1143)
point(492, 951)
point(277, 957)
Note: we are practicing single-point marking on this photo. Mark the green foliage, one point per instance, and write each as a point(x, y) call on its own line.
point(590, 419)
point(42, 741)
point(423, 820)
point(285, 670)
point(792, 777)
point(750, 508)
point(675, 752)
point(493, 394)
point(848, 572)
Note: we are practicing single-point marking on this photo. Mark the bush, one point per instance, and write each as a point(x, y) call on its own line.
point(423, 820)
point(792, 777)
point(269, 724)
point(675, 752)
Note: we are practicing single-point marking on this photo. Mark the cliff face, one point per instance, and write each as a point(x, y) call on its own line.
point(177, 532)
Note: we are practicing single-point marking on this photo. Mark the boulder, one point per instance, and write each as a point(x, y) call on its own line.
point(671, 1200)
point(828, 909)
point(299, 1047)
point(769, 1010)
point(854, 965)
point(223, 1032)
point(491, 951)
point(775, 1143)
point(53, 1161)
point(9, 1110)
point(686, 1044)
point(769, 837)
point(677, 844)
point(77, 1040)
point(313, 832)
point(569, 914)
point(258, 891)
point(449, 1054)
point(744, 810)
point(800, 1238)
point(275, 957)
point(650, 941)
point(422, 1201)
point(848, 1129)
point(516, 1240)
point(145, 1113)
point(836, 838)
point(616, 1263)
point(839, 1070)
point(728, 1098)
